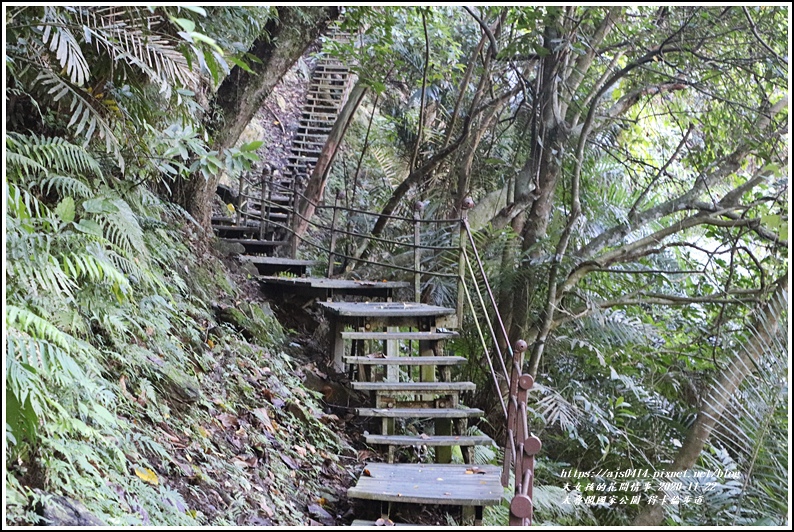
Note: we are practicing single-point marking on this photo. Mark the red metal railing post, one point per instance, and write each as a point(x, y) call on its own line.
point(520, 444)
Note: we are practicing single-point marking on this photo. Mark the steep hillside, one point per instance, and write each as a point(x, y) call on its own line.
point(142, 384)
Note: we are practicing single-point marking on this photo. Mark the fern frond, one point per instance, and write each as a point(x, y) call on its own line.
point(41, 276)
point(37, 327)
point(60, 40)
point(122, 229)
point(555, 409)
point(65, 186)
point(155, 55)
point(86, 111)
point(96, 270)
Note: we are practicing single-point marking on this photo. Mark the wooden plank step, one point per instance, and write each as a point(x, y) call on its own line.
point(436, 413)
point(373, 309)
point(407, 361)
point(430, 441)
point(256, 246)
point(414, 387)
point(278, 260)
point(449, 484)
point(385, 335)
point(273, 265)
point(364, 522)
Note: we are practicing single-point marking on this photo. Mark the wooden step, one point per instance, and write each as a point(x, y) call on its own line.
point(384, 335)
point(430, 441)
point(436, 413)
point(449, 484)
point(414, 387)
point(235, 231)
point(364, 522)
point(256, 246)
point(407, 361)
point(372, 309)
point(274, 265)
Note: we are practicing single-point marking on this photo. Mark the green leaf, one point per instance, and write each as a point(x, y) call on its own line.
point(99, 206)
point(196, 9)
point(65, 209)
point(252, 146)
point(186, 24)
point(240, 63)
point(89, 227)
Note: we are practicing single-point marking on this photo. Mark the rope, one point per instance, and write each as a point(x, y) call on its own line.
point(485, 348)
point(490, 326)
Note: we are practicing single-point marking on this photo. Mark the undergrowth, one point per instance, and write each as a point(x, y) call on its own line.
point(124, 389)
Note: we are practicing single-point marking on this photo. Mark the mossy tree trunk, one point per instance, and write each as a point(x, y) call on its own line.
point(242, 93)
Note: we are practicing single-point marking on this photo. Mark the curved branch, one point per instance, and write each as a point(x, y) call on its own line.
point(486, 30)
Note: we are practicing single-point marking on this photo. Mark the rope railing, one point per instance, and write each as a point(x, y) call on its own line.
point(520, 446)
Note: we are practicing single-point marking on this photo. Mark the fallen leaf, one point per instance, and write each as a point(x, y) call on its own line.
point(148, 476)
point(289, 461)
point(300, 450)
point(263, 417)
point(264, 506)
point(424, 436)
point(384, 521)
point(210, 343)
point(367, 473)
point(227, 420)
point(245, 461)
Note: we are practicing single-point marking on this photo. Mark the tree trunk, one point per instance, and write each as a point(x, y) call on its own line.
point(766, 323)
point(316, 185)
point(242, 93)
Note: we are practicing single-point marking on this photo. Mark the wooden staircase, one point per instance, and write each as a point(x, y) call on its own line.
point(265, 207)
point(395, 352)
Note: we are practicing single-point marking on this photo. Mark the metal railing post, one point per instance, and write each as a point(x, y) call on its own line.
point(521, 446)
point(418, 208)
point(340, 194)
point(240, 200)
point(264, 220)
point(295, 208)
point(468, 203)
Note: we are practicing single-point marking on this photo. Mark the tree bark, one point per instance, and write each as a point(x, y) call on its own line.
point(766, 323)
point(242, 93)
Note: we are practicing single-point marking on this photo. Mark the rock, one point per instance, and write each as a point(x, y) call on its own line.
point(60, 511)
point(227, 248)
point(319, 513)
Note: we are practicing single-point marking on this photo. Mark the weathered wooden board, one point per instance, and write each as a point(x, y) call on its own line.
point(407, 361)
point(384, 310)
point(381, 335)
point(451, 484)
point(419, 387)
point(445, 413)
point(430, 441)
point(333, 284)
point(364, 522)
point(279, 261)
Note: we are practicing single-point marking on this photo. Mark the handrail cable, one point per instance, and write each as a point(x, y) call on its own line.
point(482, 340)
point(490, 326)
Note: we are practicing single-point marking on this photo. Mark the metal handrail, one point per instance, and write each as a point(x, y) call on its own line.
point(520, 446)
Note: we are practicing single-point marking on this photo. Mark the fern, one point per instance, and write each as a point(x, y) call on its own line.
point(49, 155)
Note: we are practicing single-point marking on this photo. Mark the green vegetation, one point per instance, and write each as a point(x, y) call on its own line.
point(630, 170)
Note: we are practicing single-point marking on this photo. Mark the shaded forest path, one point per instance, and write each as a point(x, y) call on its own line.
point(391, 351)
